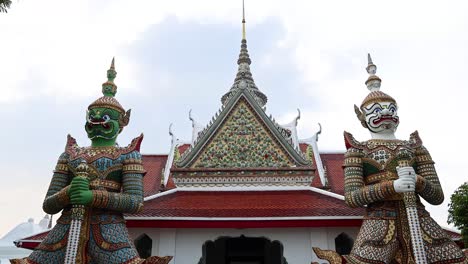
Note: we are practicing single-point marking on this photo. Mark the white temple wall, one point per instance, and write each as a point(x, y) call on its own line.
point(186, 244)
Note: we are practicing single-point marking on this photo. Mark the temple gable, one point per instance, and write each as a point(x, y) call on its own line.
point(243, 140)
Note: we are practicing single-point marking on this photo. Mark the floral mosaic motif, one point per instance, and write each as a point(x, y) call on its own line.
point(310, 154)
point(176, 155)
point(243, 141)
point(381, 156)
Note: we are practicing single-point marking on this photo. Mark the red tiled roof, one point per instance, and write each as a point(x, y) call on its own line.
point(246, 204)
point(316, 181)
point(303, 147)
point(333, 164)
point(153, 164)
point(170, 183)
point(183, 148)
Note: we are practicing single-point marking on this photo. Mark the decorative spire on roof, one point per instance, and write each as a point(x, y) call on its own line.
point(243, 20)
point(373, 82)
point(244, 78)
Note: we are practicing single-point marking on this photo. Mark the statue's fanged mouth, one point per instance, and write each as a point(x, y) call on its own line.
point(92, 122)
point(384, 118)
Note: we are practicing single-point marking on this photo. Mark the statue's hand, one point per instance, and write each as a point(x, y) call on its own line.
point(78, 184)
point(82, 197)
point(406, 181)
point(79, 192)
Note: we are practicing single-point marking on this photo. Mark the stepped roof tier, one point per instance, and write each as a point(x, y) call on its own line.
point(244, 79)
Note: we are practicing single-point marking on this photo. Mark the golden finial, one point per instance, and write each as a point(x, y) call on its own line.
point(243, 20)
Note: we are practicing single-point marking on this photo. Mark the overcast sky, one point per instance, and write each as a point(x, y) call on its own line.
point(173, 56)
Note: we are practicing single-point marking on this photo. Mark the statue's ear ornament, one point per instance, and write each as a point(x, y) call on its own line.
point(124, 119)
point(360, 116)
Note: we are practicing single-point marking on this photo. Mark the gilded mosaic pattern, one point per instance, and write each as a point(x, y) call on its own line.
point(243, 141)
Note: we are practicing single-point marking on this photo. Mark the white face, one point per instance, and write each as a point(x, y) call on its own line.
point(381, 117)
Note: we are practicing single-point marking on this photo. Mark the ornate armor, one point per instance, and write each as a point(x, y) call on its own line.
point(117, 188)
point(370, 169)
point(93, 187)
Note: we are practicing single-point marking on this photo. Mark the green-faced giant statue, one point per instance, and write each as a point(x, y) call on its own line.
point(93, 187)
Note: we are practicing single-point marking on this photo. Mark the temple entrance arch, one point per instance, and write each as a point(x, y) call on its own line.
point(242, 250)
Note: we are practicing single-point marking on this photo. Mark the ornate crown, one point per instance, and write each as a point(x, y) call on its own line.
point(109, 89)
point(373, 84)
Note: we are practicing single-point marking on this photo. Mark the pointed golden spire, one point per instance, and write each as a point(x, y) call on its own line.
point(243, 20)
point(244, 79)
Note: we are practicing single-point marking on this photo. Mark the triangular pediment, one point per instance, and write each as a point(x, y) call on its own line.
point(242, 141)
point(242, 136)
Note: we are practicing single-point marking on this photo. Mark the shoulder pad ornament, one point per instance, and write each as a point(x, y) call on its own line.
point(134, 145)
point(415, 141)
point(71, 144)
point(350, 142)
point(91, 154)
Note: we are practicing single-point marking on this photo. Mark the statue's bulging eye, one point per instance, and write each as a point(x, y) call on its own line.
point(106, 117)
point(377, 110)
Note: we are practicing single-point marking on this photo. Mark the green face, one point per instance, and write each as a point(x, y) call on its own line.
point(102, 124)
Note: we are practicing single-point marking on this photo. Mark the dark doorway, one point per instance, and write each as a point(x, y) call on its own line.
point(143, 245)
point(242, 250)
point(343, 244)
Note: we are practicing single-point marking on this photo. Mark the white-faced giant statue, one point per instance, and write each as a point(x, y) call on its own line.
point(388, 176)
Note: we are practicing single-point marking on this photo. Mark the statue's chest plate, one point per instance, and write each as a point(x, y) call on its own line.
point(105, 164)
point(104, 168)
point(91, 154)
point(382, 155)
